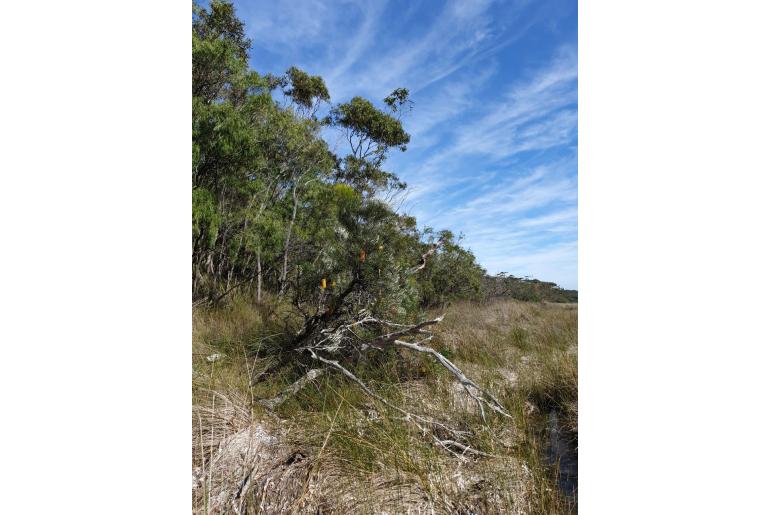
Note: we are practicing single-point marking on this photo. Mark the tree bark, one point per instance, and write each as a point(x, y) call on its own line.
point(288, 240)
point(259, 275)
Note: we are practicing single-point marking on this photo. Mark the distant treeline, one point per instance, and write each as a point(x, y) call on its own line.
point(504, 285)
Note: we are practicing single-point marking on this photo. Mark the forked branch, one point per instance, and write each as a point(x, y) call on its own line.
point(424, 259)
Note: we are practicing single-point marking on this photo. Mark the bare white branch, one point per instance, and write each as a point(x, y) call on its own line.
point(292, 389)
point(482, 396)
point(424, 259)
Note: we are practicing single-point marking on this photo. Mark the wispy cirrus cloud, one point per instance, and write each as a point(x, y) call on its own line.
point(450, 102)
point(525, 202)
point(494, 126)
point(289, 26)
point(538, 112)
point(417, 58)
point(371, 47)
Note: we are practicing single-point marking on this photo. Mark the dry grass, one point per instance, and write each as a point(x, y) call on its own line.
point(332, 449)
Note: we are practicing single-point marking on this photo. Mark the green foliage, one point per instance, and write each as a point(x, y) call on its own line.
point(306, 90)
point(451, 274)
point(205, 219)
point(220, 54)
point(504, 285)
point(219, 23)
point(369, 125)
point(371, 133)
point(398, 99)
point(274, 210)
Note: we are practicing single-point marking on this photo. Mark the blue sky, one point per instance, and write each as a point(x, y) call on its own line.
point(494, 125)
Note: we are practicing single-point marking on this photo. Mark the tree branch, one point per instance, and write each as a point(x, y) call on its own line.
point(424, 260)
point(486, 397)
point(446, 444)
point(292, 389)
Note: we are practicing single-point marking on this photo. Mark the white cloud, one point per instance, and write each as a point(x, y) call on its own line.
point(364, 37)
point(461, 32)
point(527, 226)
point(288, 25)
point(469, 167)
point(450, 101)
point(537, 114)
point(551, 219)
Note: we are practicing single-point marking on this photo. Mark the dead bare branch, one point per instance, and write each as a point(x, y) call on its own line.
point(386, 338)
point(415, 419)
point(292, 389)
point(482, 397)
point(424, 259)
point(338, 336)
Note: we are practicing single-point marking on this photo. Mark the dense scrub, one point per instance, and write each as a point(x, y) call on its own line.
point(508, 286)
point(275, 210)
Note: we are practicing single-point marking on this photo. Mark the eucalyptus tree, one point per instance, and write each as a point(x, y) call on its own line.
point(222, 146)
point(370, 133)
point(273, 208)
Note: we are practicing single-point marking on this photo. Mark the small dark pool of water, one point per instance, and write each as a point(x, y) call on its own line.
point(562, 453)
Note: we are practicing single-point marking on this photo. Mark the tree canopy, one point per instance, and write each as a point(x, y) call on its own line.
point(274, 210)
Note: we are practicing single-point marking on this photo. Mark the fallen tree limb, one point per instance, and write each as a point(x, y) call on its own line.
point(346, 331)
point(447, 444)
point(385, 338)
point(292, 389)
point(484, 398)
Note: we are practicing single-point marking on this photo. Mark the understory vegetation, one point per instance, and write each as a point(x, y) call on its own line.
point(333, 448)
point(345, 360)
